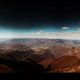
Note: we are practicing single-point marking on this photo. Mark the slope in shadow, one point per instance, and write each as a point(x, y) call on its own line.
point(29, 67)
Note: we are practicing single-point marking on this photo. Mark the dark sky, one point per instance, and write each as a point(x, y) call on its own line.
point(32, 14)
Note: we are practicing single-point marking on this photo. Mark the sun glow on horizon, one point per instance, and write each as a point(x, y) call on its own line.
point(74, 35)
point(42, 34)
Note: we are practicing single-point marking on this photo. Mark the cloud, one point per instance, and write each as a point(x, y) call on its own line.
point(40, 31)
point(64, 28)
point(42, 34)
point(78, 29)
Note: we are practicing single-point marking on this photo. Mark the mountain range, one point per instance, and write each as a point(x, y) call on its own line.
point(35, 42)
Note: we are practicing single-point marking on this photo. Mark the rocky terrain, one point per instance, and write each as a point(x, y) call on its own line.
point(19, 56)
point(34, 42)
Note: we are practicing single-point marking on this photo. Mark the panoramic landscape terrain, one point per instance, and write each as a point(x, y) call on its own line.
point(39, 37)
point(21, 55)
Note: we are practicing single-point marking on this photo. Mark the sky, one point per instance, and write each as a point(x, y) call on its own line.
point(35, 19)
